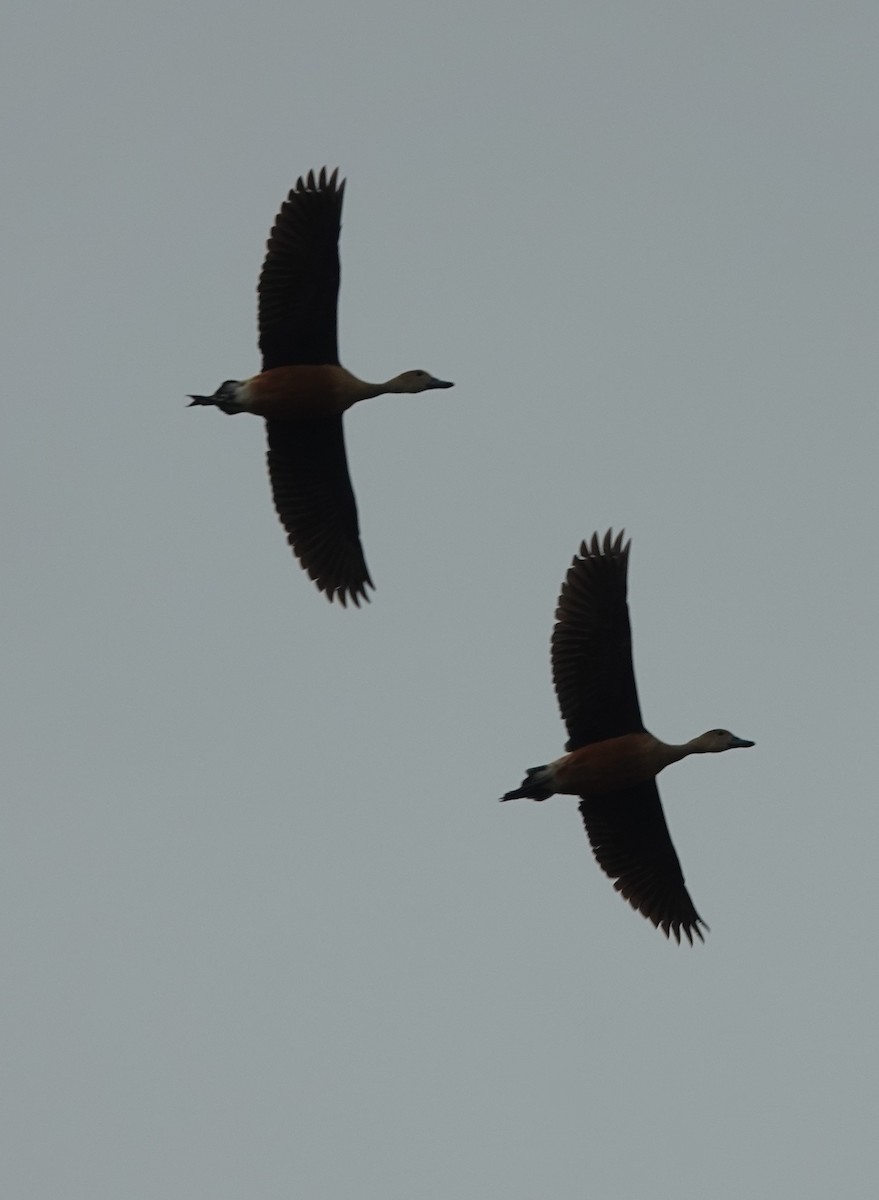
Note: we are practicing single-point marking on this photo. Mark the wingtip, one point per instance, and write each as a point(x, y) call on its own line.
point(608, 546)
point(342, 593)
point(688, 928)
point(323, 181)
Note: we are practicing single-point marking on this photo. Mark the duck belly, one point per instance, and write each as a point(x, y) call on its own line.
point(607, 766)
point(304, 392)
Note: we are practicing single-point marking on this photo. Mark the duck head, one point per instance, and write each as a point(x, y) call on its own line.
point(415, 381)
point(717, 740)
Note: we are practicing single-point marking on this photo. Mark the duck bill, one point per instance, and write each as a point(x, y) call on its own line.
point(736, 742)
point(440, 383)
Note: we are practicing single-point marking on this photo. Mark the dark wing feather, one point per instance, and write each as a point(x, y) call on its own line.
point(312, 491)
point(299, 283)
point(592, 646)
point(630, 840)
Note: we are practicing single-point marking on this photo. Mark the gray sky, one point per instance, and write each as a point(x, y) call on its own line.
point(266, 931)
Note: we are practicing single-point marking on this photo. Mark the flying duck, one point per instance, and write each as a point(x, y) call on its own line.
point(302, 390)
point(612, 761)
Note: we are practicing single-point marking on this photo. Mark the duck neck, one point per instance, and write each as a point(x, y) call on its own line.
point(355, 390)
point(358, 389)
point(389, 387)
point(368, 391)
point(671, 754)
point(695, 745)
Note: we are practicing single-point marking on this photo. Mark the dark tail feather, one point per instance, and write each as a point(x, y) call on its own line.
point(193, 400)
point(530, 788)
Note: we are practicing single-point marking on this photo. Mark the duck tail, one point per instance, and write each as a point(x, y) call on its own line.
point(537, 785)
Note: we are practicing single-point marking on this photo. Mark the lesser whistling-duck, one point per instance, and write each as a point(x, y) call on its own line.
point(613, 761)
point(302, 390)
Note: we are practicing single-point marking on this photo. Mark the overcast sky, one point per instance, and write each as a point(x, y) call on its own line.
point(266, 931)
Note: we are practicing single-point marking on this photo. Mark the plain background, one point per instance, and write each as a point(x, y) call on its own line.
point(266, 931)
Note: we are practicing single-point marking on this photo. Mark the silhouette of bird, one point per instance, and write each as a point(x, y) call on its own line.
point(612, 761)
point(302, 390)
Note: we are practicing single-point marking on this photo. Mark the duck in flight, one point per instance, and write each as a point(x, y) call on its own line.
point(302, 390)
point(612, 761)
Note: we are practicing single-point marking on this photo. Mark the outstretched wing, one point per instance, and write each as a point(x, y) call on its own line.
point(299, 282)
point(630, 840)
point(312, 491)
point(592, 646)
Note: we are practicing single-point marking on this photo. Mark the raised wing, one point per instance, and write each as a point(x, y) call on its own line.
point(630, 840)
point(312, 491)
point(299, 282)
point(592, 646)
